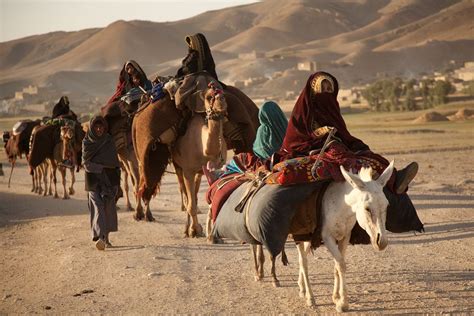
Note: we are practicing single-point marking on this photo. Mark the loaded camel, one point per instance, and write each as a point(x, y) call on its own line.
point(154, 133)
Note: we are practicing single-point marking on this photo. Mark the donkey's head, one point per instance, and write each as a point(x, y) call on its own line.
point(369, 203)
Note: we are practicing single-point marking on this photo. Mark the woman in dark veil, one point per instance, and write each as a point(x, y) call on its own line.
point(199, 57)
point(316, 112)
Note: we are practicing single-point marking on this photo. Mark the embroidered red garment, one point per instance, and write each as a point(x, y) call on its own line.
point(298, 170)
point(322, 109)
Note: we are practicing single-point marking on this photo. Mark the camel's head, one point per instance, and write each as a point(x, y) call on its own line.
point(67, 133)
point(214, 102)
point(11, 148)
point(368, 201)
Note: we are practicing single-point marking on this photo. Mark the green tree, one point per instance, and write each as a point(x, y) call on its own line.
point(440, 91)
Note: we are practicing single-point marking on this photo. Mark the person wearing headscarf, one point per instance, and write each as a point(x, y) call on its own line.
point(102, 180)
point(131, 77)
point(199, 57)
point(315, 113)
point(270, 134)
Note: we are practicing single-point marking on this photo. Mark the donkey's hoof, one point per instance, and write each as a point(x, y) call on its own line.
point(66, 197)
point(276, 283)
point(310, 302)
point(257, 278)
point(340, 308)
point(56, 196)
point(71, 191)
point(197, 231)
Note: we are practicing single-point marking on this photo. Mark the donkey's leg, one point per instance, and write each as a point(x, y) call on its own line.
point(209, 224)
point(303, 249)
point(73, 180)
point(253, 251)
point(261, 261)
point(343, 302)
point(339, 264)
point(276, 282)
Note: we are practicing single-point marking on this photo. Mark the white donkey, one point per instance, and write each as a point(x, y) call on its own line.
point(361, 199)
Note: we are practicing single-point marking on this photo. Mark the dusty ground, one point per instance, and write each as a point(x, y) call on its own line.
point(48, 262)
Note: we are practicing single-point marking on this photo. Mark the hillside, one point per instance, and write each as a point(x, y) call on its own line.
point(354, 39)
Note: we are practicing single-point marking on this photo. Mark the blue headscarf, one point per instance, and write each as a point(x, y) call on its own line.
point(272, 129)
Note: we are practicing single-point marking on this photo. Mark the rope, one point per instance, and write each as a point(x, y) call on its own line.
point(332, 131)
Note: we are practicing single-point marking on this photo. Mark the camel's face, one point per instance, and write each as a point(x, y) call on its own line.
point(67, 133)
point(215, 102)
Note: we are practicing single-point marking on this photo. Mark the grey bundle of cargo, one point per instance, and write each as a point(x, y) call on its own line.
point(269, 215)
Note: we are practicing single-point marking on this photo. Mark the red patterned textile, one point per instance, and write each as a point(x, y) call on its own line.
point(298, 170)
point(220, 190)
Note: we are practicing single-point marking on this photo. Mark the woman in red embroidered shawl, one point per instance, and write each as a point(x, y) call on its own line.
point(130, 69)
point(317, 109)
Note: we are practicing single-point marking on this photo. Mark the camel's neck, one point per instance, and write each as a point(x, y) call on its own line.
point(213, 146)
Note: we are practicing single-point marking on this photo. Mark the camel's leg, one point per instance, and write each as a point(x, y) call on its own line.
point(73, 180)
point(197, 182)
point(33, 187)
point(39, 179)
point(50, 185)
point(62, 170)
point(195, 229)
point(129, 207)
point(339, 272)
point(139, 215)
point(55, 179)
point(303, 280)
point(45, 178)
point(182, 187)
point(132, 168)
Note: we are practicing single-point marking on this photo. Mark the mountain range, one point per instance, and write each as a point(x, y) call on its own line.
point(357, 40)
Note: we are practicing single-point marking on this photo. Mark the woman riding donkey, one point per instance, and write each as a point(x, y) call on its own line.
point(317, 117)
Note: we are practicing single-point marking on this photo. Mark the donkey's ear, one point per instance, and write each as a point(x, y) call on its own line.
point(354, 180)
point(387, 173)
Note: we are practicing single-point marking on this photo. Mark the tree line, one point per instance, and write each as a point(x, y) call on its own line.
point(406, 95)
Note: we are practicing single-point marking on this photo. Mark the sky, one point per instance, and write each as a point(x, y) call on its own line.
point(20, 18)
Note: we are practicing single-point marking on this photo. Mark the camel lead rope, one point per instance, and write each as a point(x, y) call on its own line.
point(333, 130)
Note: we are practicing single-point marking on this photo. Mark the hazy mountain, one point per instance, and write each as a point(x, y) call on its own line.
point(354, 39)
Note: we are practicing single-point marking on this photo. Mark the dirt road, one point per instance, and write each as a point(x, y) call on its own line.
point(49, 264)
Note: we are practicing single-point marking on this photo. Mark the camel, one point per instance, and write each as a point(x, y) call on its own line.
point(204, 143)
point(17, 144)
point(154, 133)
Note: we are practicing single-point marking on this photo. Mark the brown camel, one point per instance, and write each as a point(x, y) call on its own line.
point(155, 128)
point(202, 143)
point(17, 144)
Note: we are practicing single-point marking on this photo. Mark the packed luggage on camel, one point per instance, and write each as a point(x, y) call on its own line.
point(57, 141)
